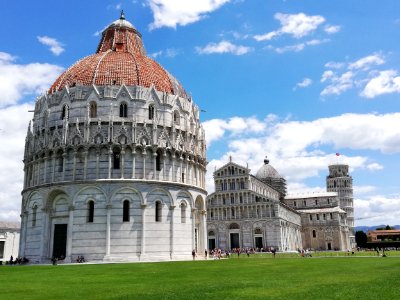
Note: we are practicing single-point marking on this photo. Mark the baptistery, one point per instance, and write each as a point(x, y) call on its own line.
point(115, 161)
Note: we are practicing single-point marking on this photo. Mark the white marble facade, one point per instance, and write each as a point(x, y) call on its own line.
point(9, 240)
point(244, 212)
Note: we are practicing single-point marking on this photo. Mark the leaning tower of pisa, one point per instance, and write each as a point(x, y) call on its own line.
point(341, 182)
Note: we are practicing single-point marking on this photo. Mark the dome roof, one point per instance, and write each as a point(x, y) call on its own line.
point(120, 59)
point(267, 171)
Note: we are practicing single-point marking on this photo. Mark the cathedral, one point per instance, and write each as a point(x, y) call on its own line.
point(114, 161)
point(248, 211)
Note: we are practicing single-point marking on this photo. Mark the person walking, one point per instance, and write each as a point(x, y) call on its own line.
point(194, 254)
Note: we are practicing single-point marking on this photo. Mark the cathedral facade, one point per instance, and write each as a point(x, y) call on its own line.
point(114, 161)
point(248, 211)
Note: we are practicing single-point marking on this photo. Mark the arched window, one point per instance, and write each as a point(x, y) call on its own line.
point(117, 159)
point(158, 161)
point(64, 112)
point(177, 117)
point(123, 110)
point(314, 234)
point(234, 226)
point(125, 214)
point(93, 110)
point(151, 112)
point(183, 213)
point(90, 211)
point(34, 211)
point(158, 211)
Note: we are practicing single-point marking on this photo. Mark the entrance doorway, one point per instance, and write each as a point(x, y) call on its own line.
point(235, 240)
point(258, 242)
point(329, 246)
point(211, 244)
point(60, 240)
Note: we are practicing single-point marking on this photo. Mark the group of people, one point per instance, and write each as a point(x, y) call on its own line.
point(304, 253)
point(80, 259)
point(18, 260)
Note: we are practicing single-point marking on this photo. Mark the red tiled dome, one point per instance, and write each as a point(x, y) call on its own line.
point(120, 59)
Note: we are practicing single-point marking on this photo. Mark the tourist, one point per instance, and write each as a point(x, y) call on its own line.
point(273, 251)
point(194, 254)
point(205, 253)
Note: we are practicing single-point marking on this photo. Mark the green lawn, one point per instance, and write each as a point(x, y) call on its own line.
point(257, 277)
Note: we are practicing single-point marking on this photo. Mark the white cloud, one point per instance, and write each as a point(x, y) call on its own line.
point(55, 46)
point(386, 82)
point(265, 37)
point(366, 62)
point(216, 128)
point(331, 29)
point(377, 209)
point(334, 65)
point(363, 189)
point(359, 75)
point(338, 84)
point(170, 13)
point(299, 47)
point(296, 25)
point(300, 150)
point(20, 80)
point(306, 82)
point(326, 75)
point(223, 47)
point(169, 52)
point(374, 167)
point(13, 127)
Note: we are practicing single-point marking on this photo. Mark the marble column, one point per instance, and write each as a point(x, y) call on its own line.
point(122, 162)
point(172, 230)
point(68, 255)
point(85, 153)
point(133, 162)
point(108, 230)
point(109, 162)
point(143, 236)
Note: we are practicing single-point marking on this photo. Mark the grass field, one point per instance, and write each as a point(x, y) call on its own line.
point(257, 277)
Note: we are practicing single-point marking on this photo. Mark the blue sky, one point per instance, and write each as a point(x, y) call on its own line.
point(295, 80)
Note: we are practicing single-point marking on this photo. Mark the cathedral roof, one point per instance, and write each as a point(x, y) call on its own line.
point(267, 171)
point(311, 195)
point(120, 59)
point(322, 210)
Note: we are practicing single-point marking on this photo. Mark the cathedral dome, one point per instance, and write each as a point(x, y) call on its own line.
point(267, 171)
point(120, 59)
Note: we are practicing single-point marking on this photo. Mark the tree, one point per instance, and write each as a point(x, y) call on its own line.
point(387, 227)
point(361, 239)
